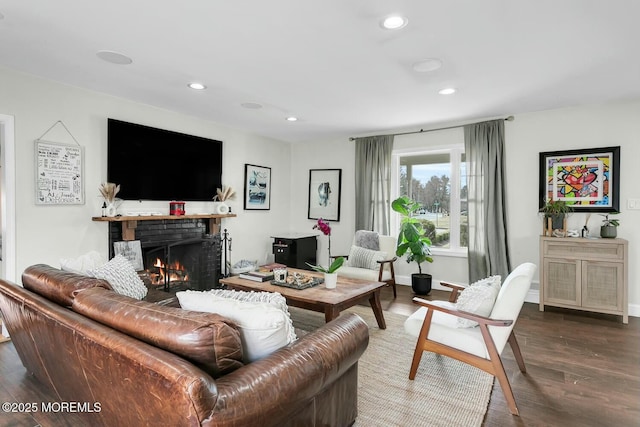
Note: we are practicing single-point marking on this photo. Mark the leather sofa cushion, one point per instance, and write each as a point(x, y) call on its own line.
point(58, 285)
point(208, 340)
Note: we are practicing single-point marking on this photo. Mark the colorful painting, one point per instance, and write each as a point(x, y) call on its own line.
point(588, 180)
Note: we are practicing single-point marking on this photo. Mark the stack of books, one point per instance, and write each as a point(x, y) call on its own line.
point(257, 276)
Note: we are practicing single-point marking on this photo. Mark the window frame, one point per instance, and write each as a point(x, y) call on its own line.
point(455, 152)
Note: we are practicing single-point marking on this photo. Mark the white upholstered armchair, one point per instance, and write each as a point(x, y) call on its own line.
point(371, 264)
point(443, 327)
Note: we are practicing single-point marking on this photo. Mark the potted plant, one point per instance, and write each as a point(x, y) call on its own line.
point(412, 240)
point(556, 210)
point(609, 227)
point(330, 275)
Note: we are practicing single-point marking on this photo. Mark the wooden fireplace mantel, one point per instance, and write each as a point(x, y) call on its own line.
point(130, 223)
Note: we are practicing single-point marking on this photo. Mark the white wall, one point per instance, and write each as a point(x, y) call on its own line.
point(571, 128)
point(47, 233)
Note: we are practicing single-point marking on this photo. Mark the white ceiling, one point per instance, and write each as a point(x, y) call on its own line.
point(329, 62)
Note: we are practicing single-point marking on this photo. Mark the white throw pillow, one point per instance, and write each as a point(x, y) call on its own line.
point(274, 298)
point(122, 277)
point(83, 264)
point(478, 298)
point(263, 326)
point(365, 258)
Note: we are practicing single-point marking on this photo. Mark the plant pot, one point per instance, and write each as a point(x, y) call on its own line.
point(557, 221)
point(421, 283)
point(330, 280)
point(608, 231)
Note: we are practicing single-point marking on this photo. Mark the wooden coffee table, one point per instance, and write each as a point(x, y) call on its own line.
point(331, 302)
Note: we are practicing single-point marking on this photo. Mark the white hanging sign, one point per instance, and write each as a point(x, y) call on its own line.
point(59, 174)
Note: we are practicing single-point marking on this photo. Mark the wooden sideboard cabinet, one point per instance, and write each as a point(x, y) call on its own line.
point(585, 274)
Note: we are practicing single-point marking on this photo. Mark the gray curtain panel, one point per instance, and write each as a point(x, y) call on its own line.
point(373, 183)
point(488, 249)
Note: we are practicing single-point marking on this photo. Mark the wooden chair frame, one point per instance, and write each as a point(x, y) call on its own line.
point(493, 365)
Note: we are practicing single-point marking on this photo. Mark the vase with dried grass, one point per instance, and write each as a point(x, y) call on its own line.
point(222, 195)
point(108, 191)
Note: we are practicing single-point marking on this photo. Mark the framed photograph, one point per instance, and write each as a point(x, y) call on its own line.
point(588, 180)
point(257, 187)
point(324, 194)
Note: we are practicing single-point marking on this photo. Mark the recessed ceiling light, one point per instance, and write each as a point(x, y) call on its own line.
point(447, 91)
point(426, 65)
point(394, 22)
point(292, 119)
point(197, 86)
point(114, 57)
point(251, 105)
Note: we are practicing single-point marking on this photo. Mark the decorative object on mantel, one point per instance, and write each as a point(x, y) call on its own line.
point(222, 195)
point(59, 171)
point(176, 208)
point(108, 191)
point(609, 227)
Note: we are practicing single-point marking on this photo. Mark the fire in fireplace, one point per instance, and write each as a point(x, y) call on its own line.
point(187, 264)
point(177, 255)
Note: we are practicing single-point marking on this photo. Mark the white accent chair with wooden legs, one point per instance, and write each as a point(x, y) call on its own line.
point(375, 266)
point(437, 327)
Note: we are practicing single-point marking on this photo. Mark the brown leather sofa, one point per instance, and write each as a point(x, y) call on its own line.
point(147, 363)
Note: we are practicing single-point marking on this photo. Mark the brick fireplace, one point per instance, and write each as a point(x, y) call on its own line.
point(177, 254)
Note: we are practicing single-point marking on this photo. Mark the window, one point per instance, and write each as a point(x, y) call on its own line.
point(437, 180)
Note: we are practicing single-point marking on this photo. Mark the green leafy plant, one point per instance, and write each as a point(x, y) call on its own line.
point(607, 222)
point(412, 239)
point(556, 207)
point(336, 264)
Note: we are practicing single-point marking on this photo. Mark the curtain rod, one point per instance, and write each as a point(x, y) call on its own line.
point(506, 119)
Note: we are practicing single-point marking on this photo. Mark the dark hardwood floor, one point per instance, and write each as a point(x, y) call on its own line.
point(582, 370)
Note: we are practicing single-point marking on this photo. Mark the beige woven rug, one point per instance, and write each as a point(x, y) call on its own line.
point(445, 392)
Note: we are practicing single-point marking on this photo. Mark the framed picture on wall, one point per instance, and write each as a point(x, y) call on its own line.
point(324, 194)
point(588, 179)
point(257, 187)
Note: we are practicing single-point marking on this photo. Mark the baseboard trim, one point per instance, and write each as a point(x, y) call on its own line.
point(533, 296)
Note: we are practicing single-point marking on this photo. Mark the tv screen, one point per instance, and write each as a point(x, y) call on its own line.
point(156, 164)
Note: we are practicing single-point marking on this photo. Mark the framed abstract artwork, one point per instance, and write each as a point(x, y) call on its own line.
point(588, 180)
point(257, 187)
point(324, 194)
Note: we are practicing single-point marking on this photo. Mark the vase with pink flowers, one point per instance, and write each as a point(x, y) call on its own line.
point(329, 272)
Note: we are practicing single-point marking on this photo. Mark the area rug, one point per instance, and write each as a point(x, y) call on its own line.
point(446, 392)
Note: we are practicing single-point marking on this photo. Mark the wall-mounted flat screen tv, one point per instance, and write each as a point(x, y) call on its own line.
point(156, 164)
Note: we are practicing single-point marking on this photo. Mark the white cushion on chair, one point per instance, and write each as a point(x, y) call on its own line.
point(363, 273)
point(444, 330)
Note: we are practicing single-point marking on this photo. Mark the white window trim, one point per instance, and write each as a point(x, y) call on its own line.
point(454, 152)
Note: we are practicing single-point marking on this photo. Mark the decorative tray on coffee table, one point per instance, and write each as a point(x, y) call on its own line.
point(299, 281)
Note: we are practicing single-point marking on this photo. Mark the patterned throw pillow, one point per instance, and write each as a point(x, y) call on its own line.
point(365, 258)
point(478, 298)
point(122, 277)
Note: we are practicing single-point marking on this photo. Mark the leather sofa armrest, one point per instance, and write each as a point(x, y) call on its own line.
point(292, 375)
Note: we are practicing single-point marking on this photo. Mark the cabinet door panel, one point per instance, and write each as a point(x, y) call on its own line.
point(561, 282)
point(602, 285)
